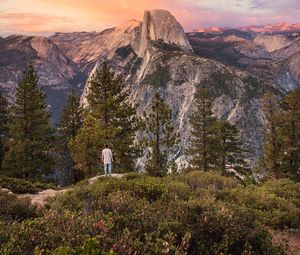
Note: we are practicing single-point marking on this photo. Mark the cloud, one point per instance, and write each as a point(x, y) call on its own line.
point(37, 16)
point(32, 23)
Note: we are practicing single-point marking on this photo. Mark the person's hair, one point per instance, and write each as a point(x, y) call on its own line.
point(106, 145)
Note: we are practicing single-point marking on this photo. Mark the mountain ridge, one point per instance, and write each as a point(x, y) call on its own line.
point(270, 28)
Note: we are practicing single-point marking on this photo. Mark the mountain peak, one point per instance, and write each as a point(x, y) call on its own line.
point(162, 25)
point(128, 25)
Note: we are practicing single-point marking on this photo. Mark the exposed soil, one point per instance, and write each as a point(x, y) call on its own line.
point(289, 239)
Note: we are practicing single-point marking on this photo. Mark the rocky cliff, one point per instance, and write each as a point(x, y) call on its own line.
point(58, 74)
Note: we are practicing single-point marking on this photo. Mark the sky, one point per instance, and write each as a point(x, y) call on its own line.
point(44, 17)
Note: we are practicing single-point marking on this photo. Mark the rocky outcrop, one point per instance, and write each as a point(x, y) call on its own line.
point(272, 43)
point(84, 49)
point(160, 25)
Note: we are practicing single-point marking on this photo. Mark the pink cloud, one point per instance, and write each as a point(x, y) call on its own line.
point(99, 14)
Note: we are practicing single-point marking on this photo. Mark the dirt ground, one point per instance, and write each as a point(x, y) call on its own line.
point(291, 239)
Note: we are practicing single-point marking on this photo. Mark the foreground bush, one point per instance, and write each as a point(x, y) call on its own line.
point(276, 203)
point(199, 213)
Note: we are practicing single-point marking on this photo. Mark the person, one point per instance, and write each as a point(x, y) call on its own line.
point(107, 159)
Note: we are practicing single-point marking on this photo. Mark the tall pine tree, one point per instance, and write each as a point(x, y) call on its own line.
point(69, 125)
point(31, 135)
point(3, 125)
point(86, 147)
point(203, 141)
point(272, 144)
point(290, 135)
point(160, 136)
point(109, 105)
point(229, 150)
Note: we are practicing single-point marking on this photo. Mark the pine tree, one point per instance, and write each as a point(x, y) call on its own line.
point(203, 141)
point(86, 146)
point(70, 122)
point(290, 135)
point(229, 150)
point(160, 136)
point(272, 144)
point(109, 104)
point(31, 135)
point(3, 125)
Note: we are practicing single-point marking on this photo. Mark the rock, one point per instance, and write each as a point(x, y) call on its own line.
point(161, 25)
point(5, 190)
point(272, 42)
point(96, 178)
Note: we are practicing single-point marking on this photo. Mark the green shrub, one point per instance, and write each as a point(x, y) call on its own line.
point(209, 180)
point(149, 188)
point(178, 190)
point(21, 186)
point(18, 186)
point(15, 209)
point(275, 211)
point(133, 175)
point(197, 213)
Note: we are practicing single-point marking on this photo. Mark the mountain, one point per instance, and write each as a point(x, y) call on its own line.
point(277, 28)
point(156, 54)
point(58, 74)
point(267, 29)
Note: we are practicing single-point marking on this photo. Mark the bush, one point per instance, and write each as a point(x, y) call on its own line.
point(197, 213)
point(21, 186)
point(15, 209)
point(177, 190)
point(209, 180)
point(277, 207)
point(18, 186)
point(133, 175)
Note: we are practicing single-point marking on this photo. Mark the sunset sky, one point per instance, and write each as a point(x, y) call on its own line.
point(43, 17)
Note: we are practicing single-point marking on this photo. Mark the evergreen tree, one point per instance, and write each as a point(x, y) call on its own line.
point(272, 144)
point(109, 104)
point(229, 150)
point(203, 141)
point(70, 122)
point(31, 135)
point(86, 146)
point(160, 136)
point(290, 135)
point(3, 125)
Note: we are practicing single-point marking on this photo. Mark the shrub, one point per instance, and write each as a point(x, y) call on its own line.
point(198, 213)
point(273, 210)
point(20, 186)
point(133, 175)
point(209, 180)
point(15, 209)
point(177, 190)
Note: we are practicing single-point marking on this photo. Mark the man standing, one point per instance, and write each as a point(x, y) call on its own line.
point(107, 159)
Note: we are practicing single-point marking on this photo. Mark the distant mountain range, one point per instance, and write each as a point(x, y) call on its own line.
point(243, 64)
point(271, 29)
